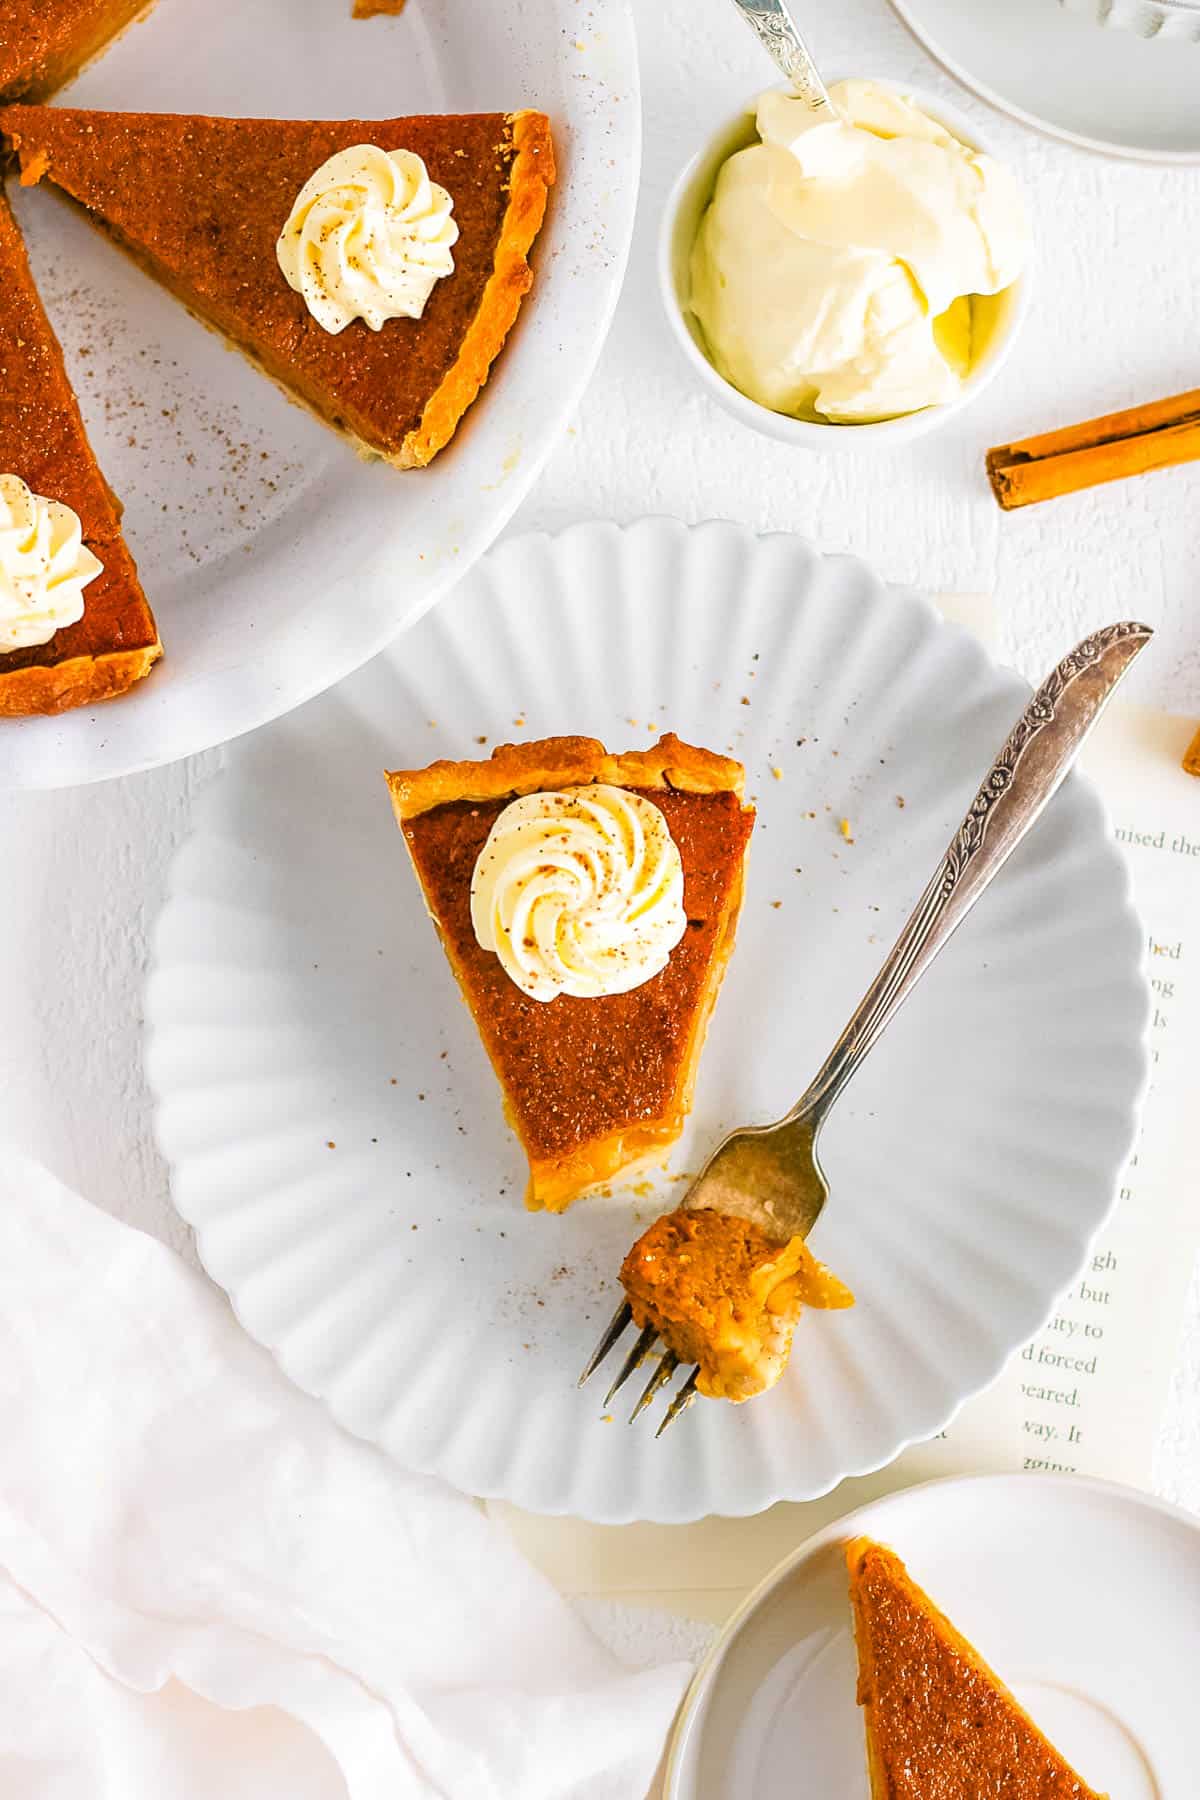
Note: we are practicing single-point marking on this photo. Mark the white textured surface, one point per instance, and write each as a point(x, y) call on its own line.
point(1115, 320)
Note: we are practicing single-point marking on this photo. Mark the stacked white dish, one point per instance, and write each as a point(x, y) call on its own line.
point(1179, 19)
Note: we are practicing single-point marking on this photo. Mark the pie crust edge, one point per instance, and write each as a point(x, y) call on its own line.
point(530, 180)
point(556, 762)
point(515, 769)
point(48, 688)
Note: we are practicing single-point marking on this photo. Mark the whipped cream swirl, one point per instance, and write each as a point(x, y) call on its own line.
point(44, 566)
point(579, 892)
point(368, 238)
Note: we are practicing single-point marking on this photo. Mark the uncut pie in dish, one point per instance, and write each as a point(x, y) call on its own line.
point(372, 267)
point(587, 904)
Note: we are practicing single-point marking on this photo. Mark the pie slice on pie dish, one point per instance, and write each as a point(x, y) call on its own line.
point(593, 1083)
point(43, 43)
point(202, 202)
point(43, 443)
point(938, 1720)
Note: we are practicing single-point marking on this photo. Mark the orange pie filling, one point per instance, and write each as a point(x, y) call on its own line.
point(939, 1722)
point(723, 1295)
point(595, 1053)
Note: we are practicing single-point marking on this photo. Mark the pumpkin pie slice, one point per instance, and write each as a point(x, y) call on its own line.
point(587, 904)
point(938, 1720)
point(201, 204)
point(43, 443)
point(722, 1294)
point(43, 43)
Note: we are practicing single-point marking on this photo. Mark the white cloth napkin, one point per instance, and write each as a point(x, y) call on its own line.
point(210, 1592)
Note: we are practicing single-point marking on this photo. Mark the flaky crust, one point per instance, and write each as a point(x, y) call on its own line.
point(79, 681)
point(559, 762)
point(511, 279)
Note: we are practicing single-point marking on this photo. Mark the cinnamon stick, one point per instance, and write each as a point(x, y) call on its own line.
point(1191, 757)
point(1155, 436)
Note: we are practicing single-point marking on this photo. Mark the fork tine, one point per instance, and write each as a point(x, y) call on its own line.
point(663, 1373)
point(681, 1402)
point(644, 1343)
point(613, 1330)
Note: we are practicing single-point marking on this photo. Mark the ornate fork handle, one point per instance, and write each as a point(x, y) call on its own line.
point(784, 45)
point(1025, 775)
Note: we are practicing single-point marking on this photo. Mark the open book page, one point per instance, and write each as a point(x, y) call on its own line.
point(1088, 1393)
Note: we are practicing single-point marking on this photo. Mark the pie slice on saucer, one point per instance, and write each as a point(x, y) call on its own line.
point(201, 203)
point(938, 1720)
point(594, 1082)
point(44, 445)
point(43, 43)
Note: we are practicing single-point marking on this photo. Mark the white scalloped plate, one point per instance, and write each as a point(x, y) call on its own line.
point(335, 1132)
point(275, 559)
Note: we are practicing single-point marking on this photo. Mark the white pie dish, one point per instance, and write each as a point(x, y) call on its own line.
point(997, 318)
point(275, 560)
point(335, 1132)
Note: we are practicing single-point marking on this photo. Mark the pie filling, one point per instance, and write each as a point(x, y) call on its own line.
point(938, 1720)
point(113, 641)
point(604, 1077)
point(723, 1295)
point(43, 43)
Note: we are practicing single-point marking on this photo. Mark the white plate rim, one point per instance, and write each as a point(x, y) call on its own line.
point(1045, 127)
point(690, 1511)
point(703, 1681)
point(57, 768)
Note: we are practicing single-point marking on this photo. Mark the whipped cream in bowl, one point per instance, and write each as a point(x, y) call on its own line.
point(846, 284)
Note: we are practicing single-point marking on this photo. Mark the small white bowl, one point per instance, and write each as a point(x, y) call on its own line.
point(997, 317)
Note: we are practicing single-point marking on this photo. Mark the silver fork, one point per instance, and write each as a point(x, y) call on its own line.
point(772, 1174)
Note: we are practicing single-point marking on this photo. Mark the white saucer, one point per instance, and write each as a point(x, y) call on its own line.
point(1084, 1597)
point(1104, 89)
